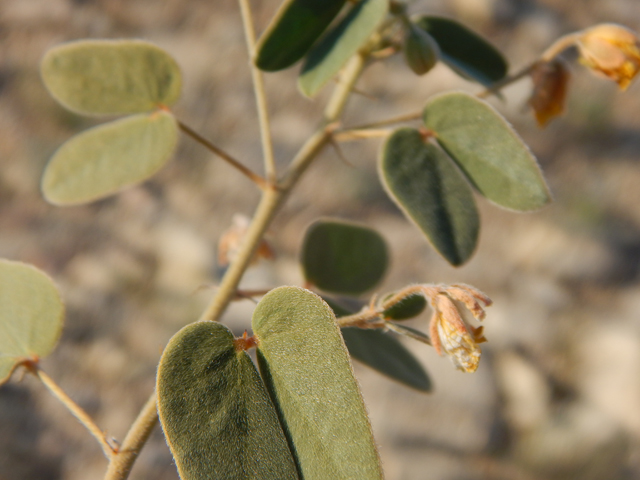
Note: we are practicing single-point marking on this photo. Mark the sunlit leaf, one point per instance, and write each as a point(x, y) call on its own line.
point(107, 158)
point(488, 150)
point(31, 315)
point(387, 355)
point(294, 29)
point(215, 411)
point(330, 54)
point(466, 52)
point(429, 189)
point(343, 257)
point(305, 365)
point(104, 77)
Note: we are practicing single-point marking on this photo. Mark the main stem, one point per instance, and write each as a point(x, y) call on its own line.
point(270, 203)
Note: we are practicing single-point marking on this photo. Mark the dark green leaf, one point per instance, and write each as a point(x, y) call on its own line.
point(106, 77)
point(31, 315)
point(107, 158)
point(387, 355)
point(421, 51)
point(305, 365)
point(467, 53)
point(294, 29)
point(488, 150)
point(330, 54)
point(428, 188)
point(343, 257)
point(409, 307)
point(215, 411)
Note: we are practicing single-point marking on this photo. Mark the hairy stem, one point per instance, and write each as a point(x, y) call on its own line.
point(270, 203)
point(261, 97)
point(82, 416)
point(254, 177)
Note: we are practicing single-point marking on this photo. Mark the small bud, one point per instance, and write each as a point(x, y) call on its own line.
point(611, 50)
point(231, 240)
point(420, 50)
point(550, 81)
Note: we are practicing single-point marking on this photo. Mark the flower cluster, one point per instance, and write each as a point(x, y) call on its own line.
point(607, 49)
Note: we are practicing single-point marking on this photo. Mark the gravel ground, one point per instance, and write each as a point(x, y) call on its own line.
point(557, 392)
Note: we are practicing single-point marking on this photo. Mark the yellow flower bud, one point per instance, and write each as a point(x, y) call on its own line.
point(611, 50)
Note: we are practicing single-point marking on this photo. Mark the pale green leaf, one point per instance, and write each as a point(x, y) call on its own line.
point(31, 315)
point(305, 365)
point(330, 54)
point(430, 190)
point(107, 158)
point(294, 29)
point(343, 257)
point(488, 150)
point(215, 411)
point(108, 77)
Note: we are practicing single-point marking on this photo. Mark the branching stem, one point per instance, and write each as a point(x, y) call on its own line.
point(254, 177)
point(270, 203)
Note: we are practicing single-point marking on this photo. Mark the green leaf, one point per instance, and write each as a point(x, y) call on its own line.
point(409, 307)
point(107, 158)
point(294, 29)
point(421, 52)
point(343, 257)
point(431, 192)
point(488, 150)
point(31, 315)
point(305, 365)
point(215, 411)
point(331, 53)
point(109, 77)
point(467, 53)
point(387, 355)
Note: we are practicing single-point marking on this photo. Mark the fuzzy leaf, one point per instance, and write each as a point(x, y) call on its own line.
point(431, 192)
point(466, 52)
point(294, 29)
point(109, 157)
point(488, 151)
point(110, 77)
point(421, 52)
point(409, 307)
point(305, 365)
point(31, 315)
point(215, 411)
point(343, 257)
point(331, 53)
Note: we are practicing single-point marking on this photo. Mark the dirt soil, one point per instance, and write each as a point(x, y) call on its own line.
point(557, 394)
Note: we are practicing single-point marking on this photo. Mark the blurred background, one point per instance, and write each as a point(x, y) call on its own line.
point(557, 394)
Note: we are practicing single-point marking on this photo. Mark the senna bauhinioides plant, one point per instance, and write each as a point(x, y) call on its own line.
point(302, 415)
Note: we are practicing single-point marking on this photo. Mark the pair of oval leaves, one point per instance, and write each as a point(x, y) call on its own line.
point(434, 192)
point(301, 28)
point(111, 77)
point(307, 420)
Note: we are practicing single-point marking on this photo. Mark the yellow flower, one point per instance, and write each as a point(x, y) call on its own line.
point(450, 335)
point(611, 50)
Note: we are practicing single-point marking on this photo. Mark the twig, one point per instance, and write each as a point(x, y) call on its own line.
point(82, 416)
point(261, 97)
point(254, 177)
